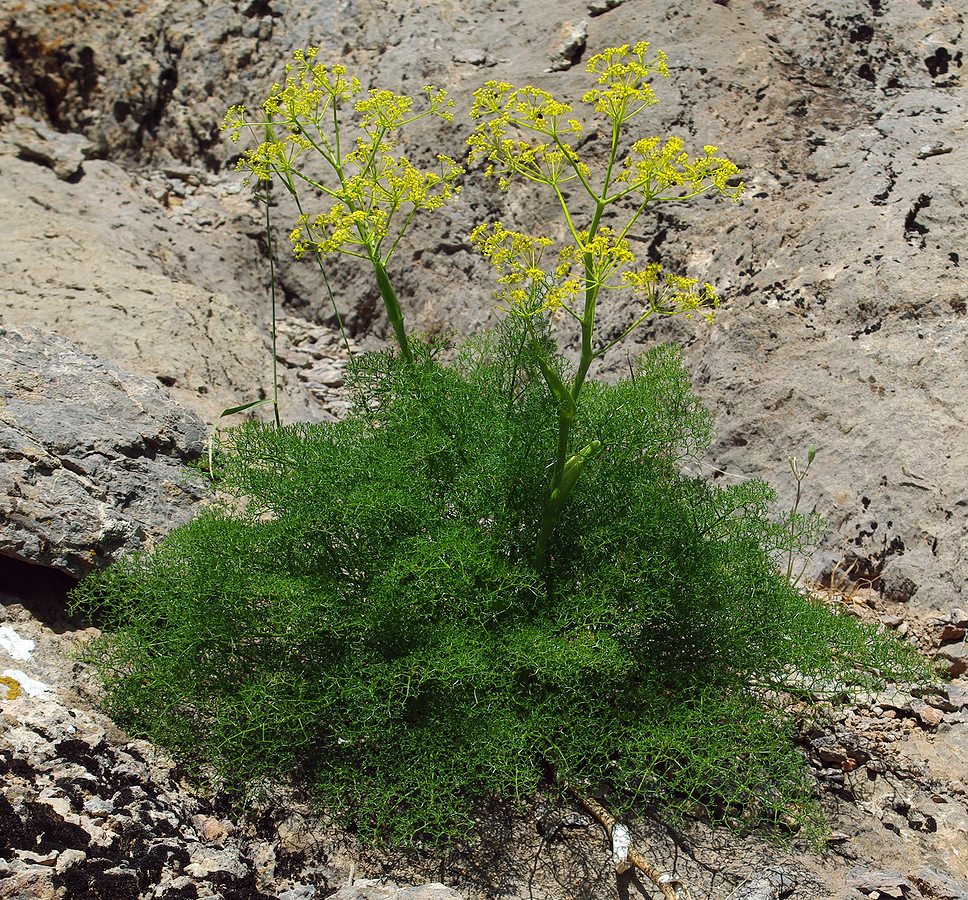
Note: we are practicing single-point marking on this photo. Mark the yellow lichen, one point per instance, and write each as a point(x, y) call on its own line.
point(13, 687)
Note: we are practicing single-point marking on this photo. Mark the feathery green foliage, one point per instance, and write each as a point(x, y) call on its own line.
point(364, 613)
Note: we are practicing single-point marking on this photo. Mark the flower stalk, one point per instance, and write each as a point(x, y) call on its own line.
point(525, 133)
point(373, 192)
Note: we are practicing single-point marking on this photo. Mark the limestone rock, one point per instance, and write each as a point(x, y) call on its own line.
point(573, 39)
point(36, 140)
point(123, 280)
point(371, 889)
point(93, 457)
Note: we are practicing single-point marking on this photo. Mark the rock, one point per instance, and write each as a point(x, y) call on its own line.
point(371, 889)
point(958, 617)
point(473, 56)
point(325, 376)
point(957, 696)
point(34, 883)
point(938, 886)
point(927, 715)
point(954, 657)
point(951, 634)
point(38, 142)
point(597, 7)
point(93, 456)
point(301, 892)
point(150, 311)
point(936, 149)
point(206, 862)
point(771, 885)
point(69, 859)
point(212, 830)
point(879, 884)
point(573, 37)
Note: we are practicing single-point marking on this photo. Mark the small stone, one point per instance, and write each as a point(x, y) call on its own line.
point(206, 862)
point(39, 142)
point(327, 375)
point(876, 884)
point(98, 808)
point(299, 892)
point(950, 634)
point(473, 56)
point(212, 830)
point(957, 695)
point(597, 7)
point(371, 889)
point(832, 756)
point(956, 658)
point(936, 149)
point(38, 859)
point(295, 359)
point(570, 47)
point(68, 859)
point(928, 716)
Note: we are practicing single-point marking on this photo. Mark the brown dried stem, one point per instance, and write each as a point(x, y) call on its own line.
point(604, 818)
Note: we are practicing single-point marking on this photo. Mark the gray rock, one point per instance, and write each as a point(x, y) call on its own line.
point(371, 889)
point(38, 142)
point(937, 885)
point(871, 882)
point(954, 657)
point(93, 457)
point(771, 885)
point(572, 40)
point(597, 7)
point(129, 282)
point(206, 862)
point(300, 892)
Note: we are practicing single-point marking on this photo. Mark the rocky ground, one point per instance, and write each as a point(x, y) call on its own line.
point(133, 311)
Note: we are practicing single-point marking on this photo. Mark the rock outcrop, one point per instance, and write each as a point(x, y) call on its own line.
point(92, 458)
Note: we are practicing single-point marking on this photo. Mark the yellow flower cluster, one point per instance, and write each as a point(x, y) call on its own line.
point(529, 109)
point(527, 132)
point(654, 169)
point(527, 288)
point(601, 255)
point(672, 295)
point(368, 200)
point(368, 185)
point(625, 74)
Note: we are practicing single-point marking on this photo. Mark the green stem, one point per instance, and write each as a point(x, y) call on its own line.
point(392, 304)
point(554, 501)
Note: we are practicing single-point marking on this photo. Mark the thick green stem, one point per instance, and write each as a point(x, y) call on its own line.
point(392, 304)
point(558, 493)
